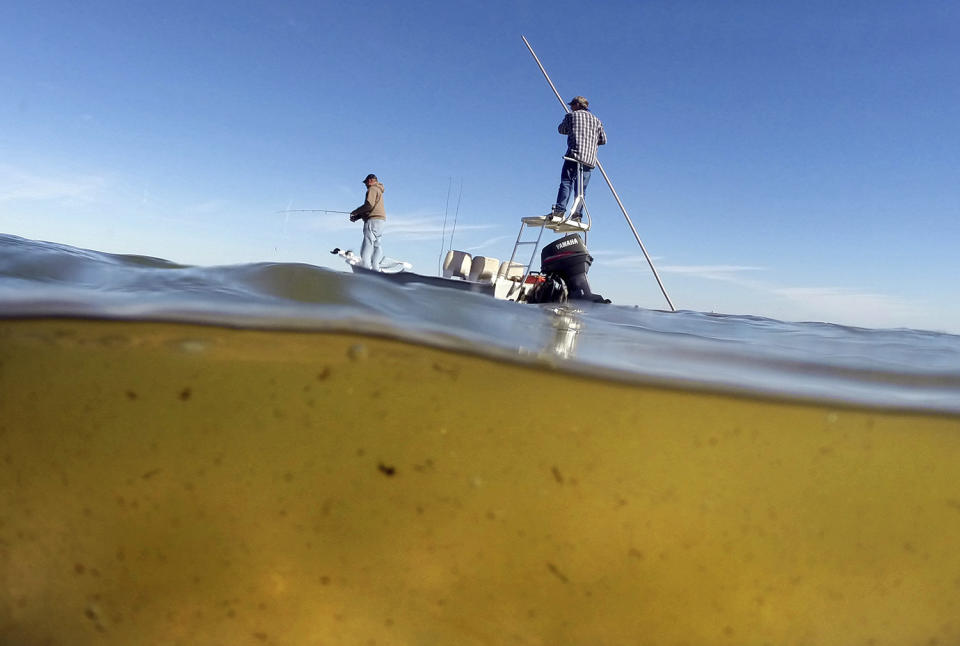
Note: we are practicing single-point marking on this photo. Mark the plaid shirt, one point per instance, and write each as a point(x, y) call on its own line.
point(584, 133)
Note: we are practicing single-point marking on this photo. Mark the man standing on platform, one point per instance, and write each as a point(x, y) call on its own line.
point(374, 218)
point(584, 133)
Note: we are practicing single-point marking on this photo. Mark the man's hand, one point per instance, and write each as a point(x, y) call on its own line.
point(354, 217)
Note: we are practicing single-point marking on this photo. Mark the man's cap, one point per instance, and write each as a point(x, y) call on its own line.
point(369, 177)
point(579, 100)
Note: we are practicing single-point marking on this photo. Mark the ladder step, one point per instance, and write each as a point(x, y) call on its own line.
point(568, 226)
point(539, 220)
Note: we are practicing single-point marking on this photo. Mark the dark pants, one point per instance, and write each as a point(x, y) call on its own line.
point(568, 183)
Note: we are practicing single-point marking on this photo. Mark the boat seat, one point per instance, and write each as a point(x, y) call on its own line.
point(456, 264)
point(484, 269)
point(511, 271)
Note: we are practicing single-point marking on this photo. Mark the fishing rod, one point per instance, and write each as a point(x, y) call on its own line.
point(312, 211)
point(609, 183)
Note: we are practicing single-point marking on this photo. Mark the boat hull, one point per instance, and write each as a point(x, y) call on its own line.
point(409, 277)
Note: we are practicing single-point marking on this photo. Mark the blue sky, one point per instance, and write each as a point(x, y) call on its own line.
point(796, 160)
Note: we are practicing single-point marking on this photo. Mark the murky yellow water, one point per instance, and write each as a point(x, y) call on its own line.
point(175, 484)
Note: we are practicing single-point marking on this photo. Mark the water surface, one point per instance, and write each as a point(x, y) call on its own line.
point(897, 369)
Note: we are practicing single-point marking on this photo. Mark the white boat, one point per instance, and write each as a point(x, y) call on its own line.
point(562, 273)
point(564, 262)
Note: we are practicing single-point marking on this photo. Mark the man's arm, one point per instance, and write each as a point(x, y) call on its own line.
point(564, 127)
point(363, 209)
point(601, 136)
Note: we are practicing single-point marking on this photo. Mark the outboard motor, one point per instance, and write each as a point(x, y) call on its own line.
point(565, 261)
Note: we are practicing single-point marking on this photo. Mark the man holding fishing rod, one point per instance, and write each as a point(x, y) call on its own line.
point(374, 219)
point(584, 133)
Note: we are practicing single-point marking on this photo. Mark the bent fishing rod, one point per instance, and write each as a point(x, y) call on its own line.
point(609, 183)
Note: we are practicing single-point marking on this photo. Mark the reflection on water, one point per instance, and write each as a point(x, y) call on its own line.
point(566, 324)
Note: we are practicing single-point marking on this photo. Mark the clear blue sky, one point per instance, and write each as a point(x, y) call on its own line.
point(797, 160)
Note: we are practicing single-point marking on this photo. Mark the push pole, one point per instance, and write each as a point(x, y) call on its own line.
point(609, 183)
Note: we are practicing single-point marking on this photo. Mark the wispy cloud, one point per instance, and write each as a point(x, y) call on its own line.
point(416, 229)
point(847, 303)
point(728, 273)
point(486, 245)
point(861, 307)
point(203, 208)
point(403, 227)
point(18, 185)
point(827, 303)
point(617, 255)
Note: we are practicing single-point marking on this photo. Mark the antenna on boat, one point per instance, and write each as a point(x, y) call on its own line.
point(443, 234)
point(443, 231)
point(456, 214)
point(609, 183)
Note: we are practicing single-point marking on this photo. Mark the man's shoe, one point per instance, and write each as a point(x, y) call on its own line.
point(576, 217)
point(558, 211)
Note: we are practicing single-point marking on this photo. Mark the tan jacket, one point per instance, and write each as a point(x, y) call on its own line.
point(372, 207)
